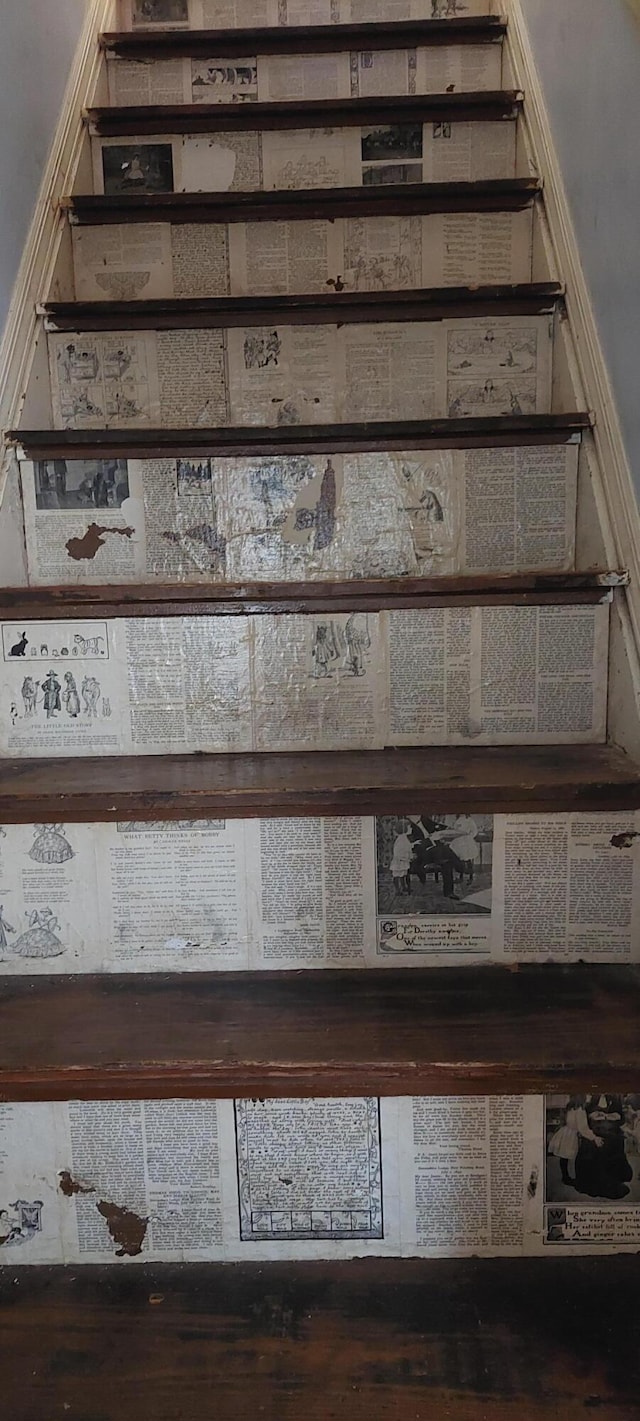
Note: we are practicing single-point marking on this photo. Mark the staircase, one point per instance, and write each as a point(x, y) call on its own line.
point(318, 870)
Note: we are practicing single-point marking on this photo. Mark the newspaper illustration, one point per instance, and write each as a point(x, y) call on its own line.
point(136, 261)
point(247, 14)
point(317, 1200)
point(224, 81)
point(493, 675)
point(421, 1176)
point(302, 374)
point(166, 13)
point(216, 162)
point(123, 263)
point(301, 517)
point(104, 380)
point(405, 891)
point(383, 253)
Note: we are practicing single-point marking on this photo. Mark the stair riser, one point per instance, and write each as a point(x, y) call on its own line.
point(224, 895)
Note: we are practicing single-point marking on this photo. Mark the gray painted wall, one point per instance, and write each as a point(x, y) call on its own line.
point(588, 57)
point(38, 42)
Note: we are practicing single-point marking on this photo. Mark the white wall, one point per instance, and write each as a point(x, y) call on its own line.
point(37, 43)
point(588, 57)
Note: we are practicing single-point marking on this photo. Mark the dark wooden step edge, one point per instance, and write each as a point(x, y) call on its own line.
point(302, 39)
point(282, 598)
point(499, 431)
point(393, 199)
point(517, 780)
point(481, 105)
point(341, 308)
point(428, 1031)
point(364, 1339)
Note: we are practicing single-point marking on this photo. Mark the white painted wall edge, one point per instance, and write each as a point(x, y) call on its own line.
point(47, 225)
point(617, 494)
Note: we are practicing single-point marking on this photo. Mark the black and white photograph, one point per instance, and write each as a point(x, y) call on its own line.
point(392, 143)
point(139, 167)
point(592, 1149)
point(68, 484)
point(193, 477)
point(160, 12)
point(434, 864)
point(224, 81)
point(381, 174)
point(392, 154)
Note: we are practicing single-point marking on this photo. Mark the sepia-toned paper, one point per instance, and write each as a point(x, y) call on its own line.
point(301, 517)
point(297, 257)
point(414, 890)
point(493, 675)
point(266, 1180)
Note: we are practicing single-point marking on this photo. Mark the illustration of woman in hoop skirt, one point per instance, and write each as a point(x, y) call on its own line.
point(5, 928)
point(50, 845)
point(40, 938)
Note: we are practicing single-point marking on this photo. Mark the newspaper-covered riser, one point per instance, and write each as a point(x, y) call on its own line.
point(423, 1176)
point(408, 891)
point(247, 78)
point(302, 374)
point(452, 676)
point(301, 517)
point(282, 159)
point(137, 261)
point(249, 14)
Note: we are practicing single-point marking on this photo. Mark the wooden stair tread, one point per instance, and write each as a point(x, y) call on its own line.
point(408, 199)
point(70, 600)
point(483, 105)
point(424, 303)
point(446, 1030)
point(496, 431)
point(424, 1031)
point(303, 39)
point(513, 779)
point(514, 1339)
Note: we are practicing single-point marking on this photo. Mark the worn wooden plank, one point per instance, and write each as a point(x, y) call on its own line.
point(486, 106)
point(303, 39)
point(422, 304)
point(396, 199)
point(430, 1031)
point(493, 432)
point(514, 779)
point(367, 1340)
point(176, 599)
